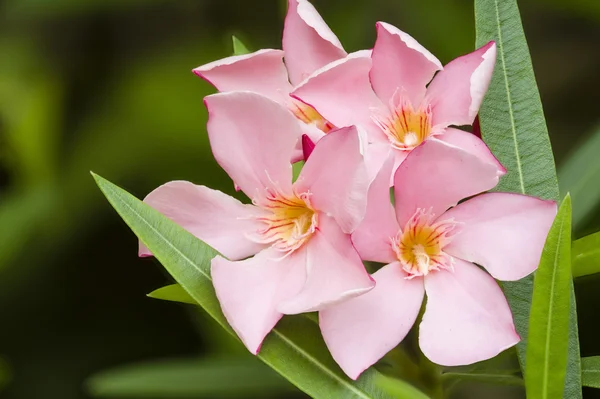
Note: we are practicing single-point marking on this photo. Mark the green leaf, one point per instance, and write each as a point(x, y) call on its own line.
point(586, 255)
point(579, 175)
point(590, 371)
point(547, 348)
point(4, 373)
point(296, 169)
point(511, 117)
point(31, 109)
point(294, 348)
point(190, 378)
point(239, 48)
point(514, 127)
point(399, 389)
point(487, 376)
point(173, 293)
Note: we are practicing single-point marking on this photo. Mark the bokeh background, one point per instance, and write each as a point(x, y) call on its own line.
point(106, 85)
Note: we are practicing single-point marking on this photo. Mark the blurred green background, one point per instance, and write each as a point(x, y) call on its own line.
point(106, 85)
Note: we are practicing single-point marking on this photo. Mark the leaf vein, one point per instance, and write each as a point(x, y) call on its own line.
point(509, 98)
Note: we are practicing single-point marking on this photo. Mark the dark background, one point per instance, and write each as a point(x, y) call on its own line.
point(106, 85)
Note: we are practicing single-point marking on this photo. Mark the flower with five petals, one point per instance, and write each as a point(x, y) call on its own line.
point(298, 233)
point(431, 246)
point(392, 95)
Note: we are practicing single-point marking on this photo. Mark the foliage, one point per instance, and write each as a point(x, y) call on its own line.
point(514, 127)
point(190, 378)
point(548, 337)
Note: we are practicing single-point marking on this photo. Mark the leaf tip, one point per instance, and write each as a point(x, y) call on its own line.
point(239, 48)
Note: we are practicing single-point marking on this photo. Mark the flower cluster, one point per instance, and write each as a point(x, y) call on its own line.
point(362, 122)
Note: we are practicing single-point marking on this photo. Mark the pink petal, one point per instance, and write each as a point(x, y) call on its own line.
point(360, 331)
point(437, 175)
point(221, 221)
point(253, 139)
point(262, 72)
point(334, 271)
point(249, 291)
point(399, 157)
point(336, 176)
point(341, 92)
point(456, 93)
point(467, 318)
point(472, 144)
point(376, 153)
point(503, 232)
point(308, 42)
point(400, 63)
point(372, 238)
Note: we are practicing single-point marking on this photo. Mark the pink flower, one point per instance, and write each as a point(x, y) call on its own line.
point(303, 259)
point(391, 96)
point(430, 245)
point(308, 44)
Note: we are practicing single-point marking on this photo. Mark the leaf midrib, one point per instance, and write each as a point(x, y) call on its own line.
point(277, 332)
point(509, 98)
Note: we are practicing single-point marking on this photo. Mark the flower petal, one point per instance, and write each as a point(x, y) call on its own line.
point(456, 93)
point(360, 331)
point(262, 72)
point(249, 291)
point(308, 42)
point(437, 175)
point(253, 139)
point(400, 63)
point(342, 93)
point(221, 221)
point(503, 232)
point(467, 318)
point(336, 177)
point(376, 153)
point(472, 144)
point(334, 271)
point(372, 238)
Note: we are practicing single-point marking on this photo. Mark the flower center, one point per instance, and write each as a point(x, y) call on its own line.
point(289, 222)
point(310, 116)
point(420, 247)
point(404, 126)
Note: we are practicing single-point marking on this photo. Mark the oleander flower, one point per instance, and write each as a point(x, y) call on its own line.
point(392, 95)
point(298, 232)
point(308, 44)
point(431, 246)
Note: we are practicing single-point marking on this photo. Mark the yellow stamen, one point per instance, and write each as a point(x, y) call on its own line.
point(310, 116)
point(404, 126)
point(290, 220)
point(419, 247)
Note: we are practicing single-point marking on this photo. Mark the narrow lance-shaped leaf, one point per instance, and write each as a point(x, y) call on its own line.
point(190, 378)
point(239, 48)
point(513, 125)
point(579, 175)
point(590, 371)
point(294, 348)
point(399, 389)
point(586, 255)
point(173, 293)
point(485, 376)
point(549, 320)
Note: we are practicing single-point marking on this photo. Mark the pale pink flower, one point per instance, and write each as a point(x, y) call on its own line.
point(392, 95)
point(429, 245)
point(308, 44)
point(303, 259)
